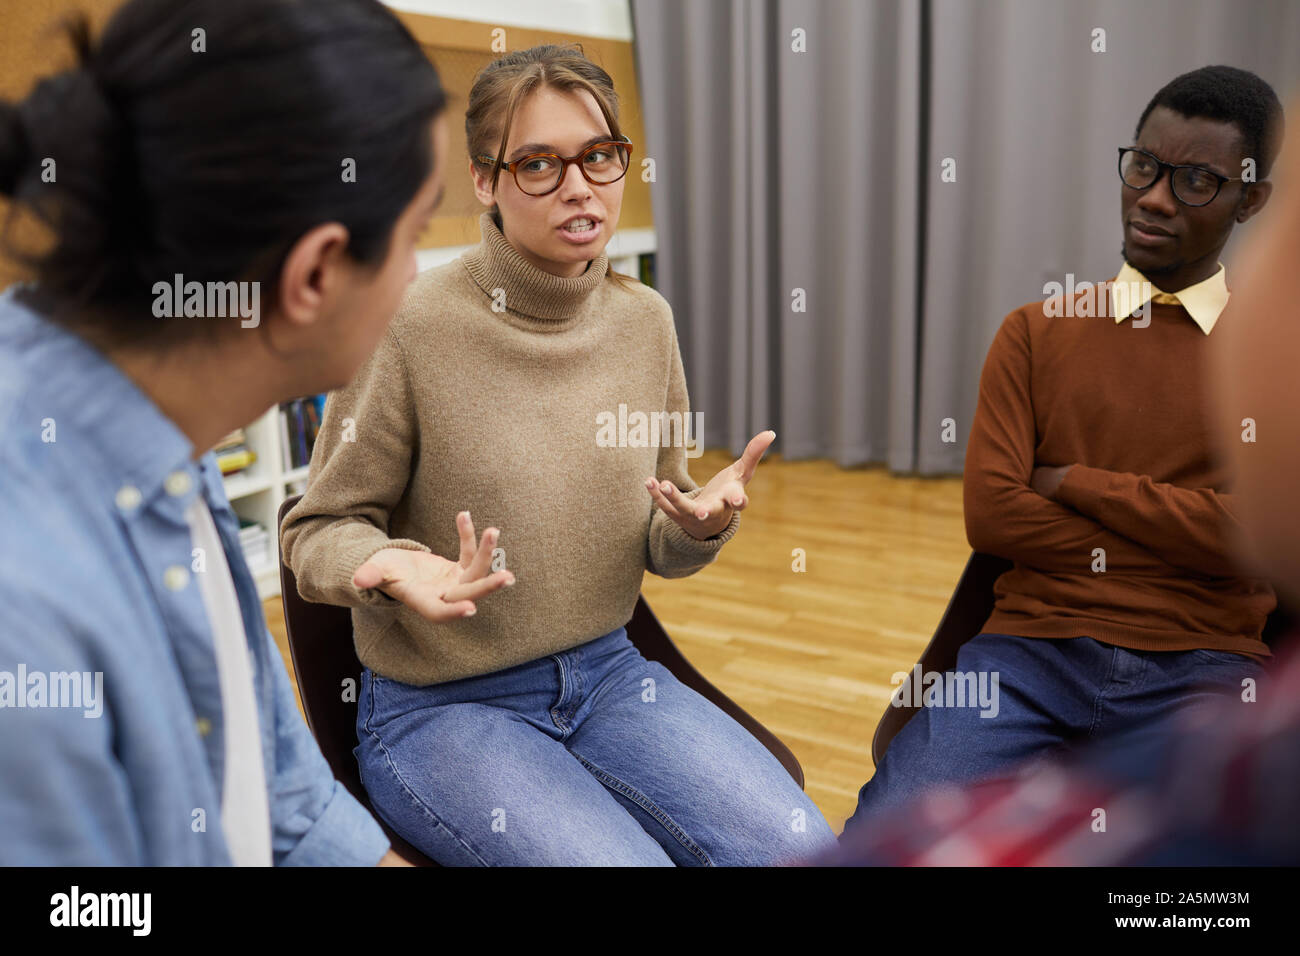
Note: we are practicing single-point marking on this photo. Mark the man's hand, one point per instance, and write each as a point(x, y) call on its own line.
point(710, 511)
point(432, 586)
point(1046, 479)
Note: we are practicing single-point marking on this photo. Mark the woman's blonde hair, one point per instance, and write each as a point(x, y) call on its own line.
point(505, 83)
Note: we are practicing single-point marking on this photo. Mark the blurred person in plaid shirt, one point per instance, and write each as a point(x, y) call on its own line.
point(1217, 784)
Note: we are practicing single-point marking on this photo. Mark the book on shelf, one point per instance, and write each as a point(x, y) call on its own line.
point(300, 422)
point(255, 542)
point(233, 453)
point(646, 268)
point(286, 454)
point(236, 459)
point(236, 437)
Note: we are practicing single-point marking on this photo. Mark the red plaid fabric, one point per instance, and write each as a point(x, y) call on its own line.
point(1220, 784)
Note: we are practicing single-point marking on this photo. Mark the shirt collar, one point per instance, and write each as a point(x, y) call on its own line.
point(92, 402)
point(1203, 301)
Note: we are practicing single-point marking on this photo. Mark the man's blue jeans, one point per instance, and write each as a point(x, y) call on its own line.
point(1052, 694)
point(590, 757)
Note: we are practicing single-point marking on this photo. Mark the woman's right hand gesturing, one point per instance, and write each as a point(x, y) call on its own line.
point(432, 586)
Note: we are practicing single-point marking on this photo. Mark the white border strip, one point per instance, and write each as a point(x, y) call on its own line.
point(611, 19)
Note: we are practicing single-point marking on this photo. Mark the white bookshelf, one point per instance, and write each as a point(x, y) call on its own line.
point(256, 492)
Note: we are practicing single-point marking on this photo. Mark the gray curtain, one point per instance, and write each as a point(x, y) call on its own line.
point(820, 171)
point(780, 171)
point(1033, 118)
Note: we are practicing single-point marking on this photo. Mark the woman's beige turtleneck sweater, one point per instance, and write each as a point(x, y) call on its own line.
point(485, 395)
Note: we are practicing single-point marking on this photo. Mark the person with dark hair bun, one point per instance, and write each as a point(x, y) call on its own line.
point(281, 158)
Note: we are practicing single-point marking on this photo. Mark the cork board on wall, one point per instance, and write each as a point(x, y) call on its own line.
point(30, 48)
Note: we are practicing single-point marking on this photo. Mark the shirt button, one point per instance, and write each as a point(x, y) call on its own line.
point(204, 726)
point(128, 498)
point(177, 483)
point(175, 578)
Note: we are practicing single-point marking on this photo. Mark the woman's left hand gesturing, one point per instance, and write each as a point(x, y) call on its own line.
point(710, 511)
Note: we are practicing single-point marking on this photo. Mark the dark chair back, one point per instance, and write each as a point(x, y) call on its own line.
point(970, 606)
point(968, 609)
point(320, 643)
point(324, 661)
point(650, 638)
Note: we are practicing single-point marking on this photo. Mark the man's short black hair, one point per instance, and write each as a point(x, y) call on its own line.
point(1231, 95)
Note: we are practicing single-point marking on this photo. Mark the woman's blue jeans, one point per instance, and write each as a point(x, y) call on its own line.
point(594, 756)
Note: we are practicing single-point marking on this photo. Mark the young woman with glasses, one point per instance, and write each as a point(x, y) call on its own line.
point(505, 717)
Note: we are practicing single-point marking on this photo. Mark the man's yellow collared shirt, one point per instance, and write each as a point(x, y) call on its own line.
point(1203, 301)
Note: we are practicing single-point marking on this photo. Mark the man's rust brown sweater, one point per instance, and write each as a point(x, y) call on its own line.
point(484, 396)
point(1122, 404)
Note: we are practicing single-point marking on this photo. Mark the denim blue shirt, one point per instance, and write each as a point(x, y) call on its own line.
point(97, 578)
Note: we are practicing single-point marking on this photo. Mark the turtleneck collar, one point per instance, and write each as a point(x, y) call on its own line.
point(529, 291)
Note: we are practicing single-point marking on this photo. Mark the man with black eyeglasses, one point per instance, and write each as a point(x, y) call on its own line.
point(1090, 467)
